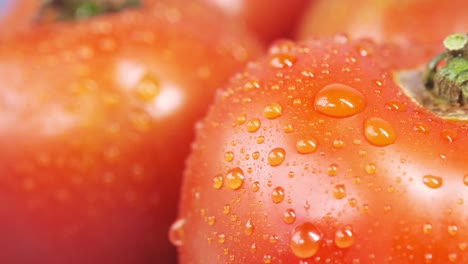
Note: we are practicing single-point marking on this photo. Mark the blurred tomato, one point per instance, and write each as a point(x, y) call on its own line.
point(95, 123)
point(17, 15)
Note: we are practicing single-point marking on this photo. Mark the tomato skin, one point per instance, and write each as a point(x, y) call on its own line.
point(96, 120)
point(414, 22)
point(268, 168)
point(17, 15)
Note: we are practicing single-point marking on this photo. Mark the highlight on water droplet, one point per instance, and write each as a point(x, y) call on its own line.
point(177, 232)
point(235, 178)
point(272, 111)
point(307, 145)
point(432, 181)
point(339, 100)
point(253, 125)
point(305, 240)
point(276, 156)
point(379, 132)
point(345, 237)
point(277, 196)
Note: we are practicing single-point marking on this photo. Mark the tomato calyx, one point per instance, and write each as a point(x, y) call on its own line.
point(442, 87)
point(77, 9)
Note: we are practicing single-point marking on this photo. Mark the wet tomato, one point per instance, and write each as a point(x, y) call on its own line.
point(316, 154)
point(96, 118)
point(403, 22)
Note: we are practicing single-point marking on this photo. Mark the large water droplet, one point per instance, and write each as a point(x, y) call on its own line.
point(307, 145)
point(253, 125)
point(177, 232)
point(339, 100)
point(305, 240)
point(235, 178)
point(379, 132)
point(272, 111)
point(276, 156)
point(432, 182)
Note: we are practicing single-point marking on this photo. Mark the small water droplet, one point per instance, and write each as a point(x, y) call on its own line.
point(272, 111)
point(307, 145)
point(305, 240)
point(249, 227)
point(252, 85)
point(226, 209)
point(332, 170)
point(427, 229)
point(452, 230)
point(177, 232)
point(339, 100)
point(371, 168)
point(211, 220)
point(379, 132)
point(148, 88)
point(396, 106)
point(421, 128)
point(235, 178)
point(432, 182)
point(260, 140)
point(218, 182)
point(267, 259)
point(256, 186)
point(344, 237)
point(277, 196)
point(339, 192)
point(228, 156)
point(221, 238)
point(276, 156)
point(253, 125)
point(338, 143)
point(282, 60)
point(289, 216)
point(449, 135)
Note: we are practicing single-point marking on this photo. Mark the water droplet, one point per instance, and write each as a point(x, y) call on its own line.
point(228, 156)
point(289, 216)
point(465, 179)
point(338, 143)
point(253, 248)
point(427, 229)
point(218, 182)
point(339, 192)
point(221, 238)
point(260, 140)
point(256, 186)
point(339, 100)
point(452, 230)
point(421, 128)
point(148, 88)
point(307, 145)
point(432, 182)
point(371, 168)
point(276, 156)
point(252, 85)
point(379, 132)
point(344, 237)
point(396, 106)
point(249, 227)
point(267, 259)
point(253, 125)
point(305, 240)
point(226, 209)
point(277, 196)
point(272, 111)
point(332, 170)
point(177, 232)
point(211, 220)
point(282, 60)
point(449, 135)
point(235, 178)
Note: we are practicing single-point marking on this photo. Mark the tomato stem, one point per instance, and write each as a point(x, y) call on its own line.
point(450, 82)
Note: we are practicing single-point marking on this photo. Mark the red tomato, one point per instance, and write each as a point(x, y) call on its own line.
point(315, 154)
point(268, 19)
point(405, 22)
point(17, 15)
point(96, 120)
